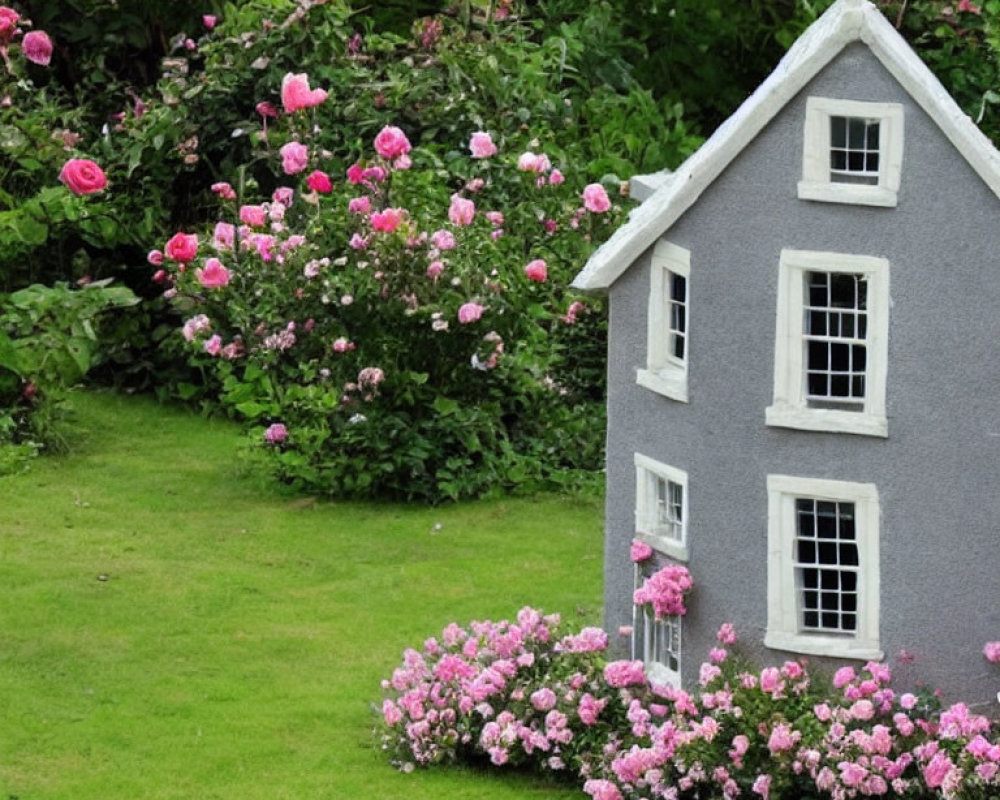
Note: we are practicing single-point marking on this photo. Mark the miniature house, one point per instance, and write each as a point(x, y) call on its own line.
point(804, 379)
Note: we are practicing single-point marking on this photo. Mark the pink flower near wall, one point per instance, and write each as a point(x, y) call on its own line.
point(296, 94)
point(82, 176)
point(595, 198)
point(391, 143)
point(294, 157)
point(37, 47)
point(992, 652)
point(640, 551)
point(536, 271)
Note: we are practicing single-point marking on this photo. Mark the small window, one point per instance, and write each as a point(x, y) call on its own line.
point(852, 152)
point(656, 642)
point(831, 343)
point(668, 323)
point(823, 570)
point(661, 506)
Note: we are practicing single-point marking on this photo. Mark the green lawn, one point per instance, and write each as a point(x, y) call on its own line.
point(171, 626)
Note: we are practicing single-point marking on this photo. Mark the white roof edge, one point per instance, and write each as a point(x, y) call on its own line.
point(844, 22)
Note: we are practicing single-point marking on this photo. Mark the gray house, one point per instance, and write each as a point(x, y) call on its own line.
point(804, 380)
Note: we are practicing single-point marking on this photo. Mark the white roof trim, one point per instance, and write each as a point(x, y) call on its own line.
point(844, 22)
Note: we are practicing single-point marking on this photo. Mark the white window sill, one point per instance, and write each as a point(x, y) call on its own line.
point(668, 547)
point(659, 674)
point(819, 645)
point(670, 382)
point(783, 415)
point(852, 193)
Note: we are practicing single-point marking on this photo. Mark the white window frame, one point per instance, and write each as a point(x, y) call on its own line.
point(817, 183)
point(652, 637)
point(647, 473)
point(784, 631)
point(789, 408)
point(665, 373)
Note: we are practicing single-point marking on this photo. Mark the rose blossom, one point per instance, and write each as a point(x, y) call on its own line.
point(224, 236)
point(391, 142)
point(640, 551)
point(155, 257)
point(461, 211)
point(294, 157)
point(182, 247)
point(556, 177)
point(360, 205)
point(213, 345)
point(536, 271)
point(434, 269)
point(992, 652)
point(481, 145)
point(296, 94)
point(595, 198)
point(214, 275)
point(195, 325)
point(82, 176)
point(209, 20)
point(37, 47)
point(319, 181)
point(224, 190)
point(470, 312)
point(8, 23)
point(387, 220)
point(533, 162)
point(443, 240)
point(254, 216)
point(276, 433)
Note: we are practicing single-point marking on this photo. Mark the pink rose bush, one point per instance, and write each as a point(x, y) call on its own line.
point(419, 280)
point(523, 693)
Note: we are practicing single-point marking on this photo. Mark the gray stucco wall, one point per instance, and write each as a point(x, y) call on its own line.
point(937, 471)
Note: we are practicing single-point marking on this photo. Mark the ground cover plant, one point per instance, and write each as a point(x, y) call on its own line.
point(175, 628)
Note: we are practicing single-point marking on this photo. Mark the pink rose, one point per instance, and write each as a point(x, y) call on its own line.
point(537, 271)
point(182, 247)
point(391, 143)
point(209, 20)
point(37, 47)
point(255, 216)
point(443, 240)
point(296, 94)
point(470, 312)
point(82, 176)
point(370, 377)
point(434, 270)
point(360, 205)
point(224, 236)
point(213, 345)
point(481, 145)
point(319, 181)
point(556, 177)
point(266, 109)
point(213, 275)
point(640, 551)
point(276, 433)
point(387, 220)
point(461, 211)
point(843, 676)
point(224, 190)
point(992, 652)
point(595, 199)
point(355, 173)
point(294, 157)
point(155, 257)
point(8, 23)
point(533, 162)
point(283, 195)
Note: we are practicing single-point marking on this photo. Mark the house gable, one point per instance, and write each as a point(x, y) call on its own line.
point(845, 22)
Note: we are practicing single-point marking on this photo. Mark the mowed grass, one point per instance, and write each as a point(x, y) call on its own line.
point(174, 627)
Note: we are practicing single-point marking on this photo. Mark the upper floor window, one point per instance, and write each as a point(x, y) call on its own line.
point(852, 152)
point(667, 329)
point(831, 343)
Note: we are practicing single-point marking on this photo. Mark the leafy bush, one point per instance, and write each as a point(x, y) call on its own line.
point(384, 338)
point(49, 339)
point(524, 693)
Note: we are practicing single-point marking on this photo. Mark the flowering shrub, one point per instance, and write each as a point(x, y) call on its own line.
point(524, 692)
point(400, 322)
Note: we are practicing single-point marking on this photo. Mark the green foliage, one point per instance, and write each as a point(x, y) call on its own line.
point(49, 340)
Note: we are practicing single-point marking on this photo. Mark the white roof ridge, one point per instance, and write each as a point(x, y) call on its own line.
point(844, 22)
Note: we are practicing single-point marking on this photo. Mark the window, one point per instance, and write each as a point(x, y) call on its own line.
point(668, 323)
point(831, 343)
point(823, 570)
point(656, 642)
point(661, 507)
point(852, 152)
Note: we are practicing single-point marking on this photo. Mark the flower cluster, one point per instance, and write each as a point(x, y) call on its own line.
point(519, 693)
point(383, 268)
point(665, 590)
